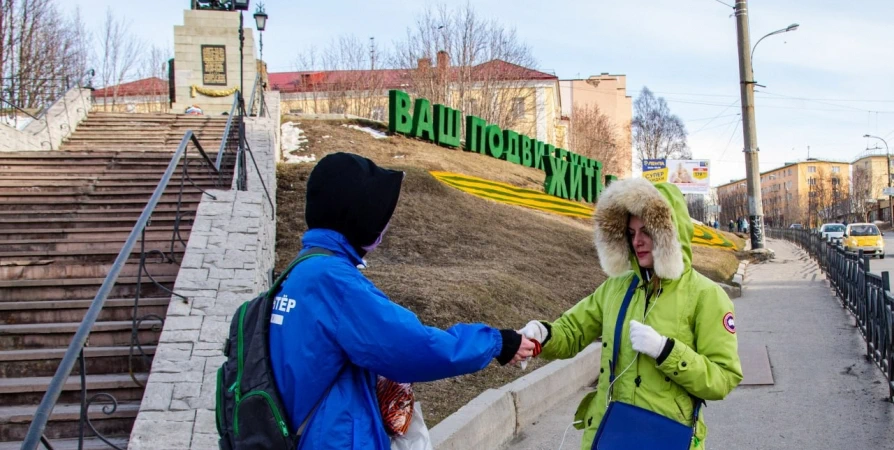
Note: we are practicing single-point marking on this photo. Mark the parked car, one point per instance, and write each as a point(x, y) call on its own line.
point(832, 232)
point(796, 226)
point(866, 237)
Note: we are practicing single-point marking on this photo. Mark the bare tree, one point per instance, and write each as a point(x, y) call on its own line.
point(119, 54)
point(595, 136)
point(657, 133)
point(861, 192)
point(344, 78)
point(697, 206)
point(153, 66)
point(480, 66)
point(42, 53)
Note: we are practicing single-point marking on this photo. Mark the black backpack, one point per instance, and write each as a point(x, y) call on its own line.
point(250, 412)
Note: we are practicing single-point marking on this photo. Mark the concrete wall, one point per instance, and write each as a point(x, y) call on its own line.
point(496, 416)
point(227, 262)
point(204, 27)
point(48, 132)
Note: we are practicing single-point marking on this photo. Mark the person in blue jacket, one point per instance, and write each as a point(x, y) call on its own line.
point(332, 331)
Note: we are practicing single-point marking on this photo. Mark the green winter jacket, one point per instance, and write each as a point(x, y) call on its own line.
point(690, 309)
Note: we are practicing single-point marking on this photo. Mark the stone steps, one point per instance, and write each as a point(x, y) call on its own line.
point(64, 217)
point(60, 311)
point(63, 423)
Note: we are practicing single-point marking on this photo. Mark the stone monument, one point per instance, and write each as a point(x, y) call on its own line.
point(206, 61)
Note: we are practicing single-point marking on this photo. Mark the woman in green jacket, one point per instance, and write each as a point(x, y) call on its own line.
point(678, 343)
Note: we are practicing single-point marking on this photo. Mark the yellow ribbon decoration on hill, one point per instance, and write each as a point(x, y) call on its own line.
point(541, 201)
point(212, 92)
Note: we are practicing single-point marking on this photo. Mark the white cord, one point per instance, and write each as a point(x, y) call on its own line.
point(635, 359)
point(566, 432)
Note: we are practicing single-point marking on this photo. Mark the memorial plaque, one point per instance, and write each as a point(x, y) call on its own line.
point(214, 65)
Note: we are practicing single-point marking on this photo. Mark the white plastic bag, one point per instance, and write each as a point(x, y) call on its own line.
point(417, 437)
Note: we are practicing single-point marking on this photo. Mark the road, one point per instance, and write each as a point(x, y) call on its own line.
point(878, 266)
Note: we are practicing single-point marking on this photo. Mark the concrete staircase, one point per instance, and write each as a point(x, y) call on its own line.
point(106, 131)
point(64, 216)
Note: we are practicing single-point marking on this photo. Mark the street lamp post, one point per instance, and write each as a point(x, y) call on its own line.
point(241, 5)
point(888, 164)
point(261, 24)
point(746, 86)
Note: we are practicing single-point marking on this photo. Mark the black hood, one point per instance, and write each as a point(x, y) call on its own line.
point(350, 194)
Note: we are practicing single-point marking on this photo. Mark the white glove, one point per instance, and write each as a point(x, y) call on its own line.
point(536, 331)
point(646, 340)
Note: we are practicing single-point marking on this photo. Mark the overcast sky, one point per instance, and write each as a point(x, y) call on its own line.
point(827, 84)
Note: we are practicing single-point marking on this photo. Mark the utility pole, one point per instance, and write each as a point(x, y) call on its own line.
point(752, 168)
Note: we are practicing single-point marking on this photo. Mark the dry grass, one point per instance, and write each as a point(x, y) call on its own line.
point(452, 257)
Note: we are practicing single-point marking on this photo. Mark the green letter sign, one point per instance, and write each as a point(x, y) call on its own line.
point(399, 112)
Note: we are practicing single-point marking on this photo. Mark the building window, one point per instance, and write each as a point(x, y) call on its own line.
point(296, 111)
point(518, 106)
point(473, 106)
point(836, 169)
point(378, 113)
point(788, 196)
point(811, 169)
point(811, 181)
point(835, 181)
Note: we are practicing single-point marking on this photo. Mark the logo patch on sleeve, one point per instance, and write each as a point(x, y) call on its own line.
point(729, 323)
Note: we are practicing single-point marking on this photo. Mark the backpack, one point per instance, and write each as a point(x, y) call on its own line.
point(249, 411)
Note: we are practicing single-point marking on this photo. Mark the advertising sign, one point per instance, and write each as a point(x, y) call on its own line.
point(692, 176)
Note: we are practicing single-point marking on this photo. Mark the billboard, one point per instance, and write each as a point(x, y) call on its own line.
point(692, 176)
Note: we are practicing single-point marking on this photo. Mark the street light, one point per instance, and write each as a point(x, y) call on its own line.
point(792, 27)
point(888, 159)
point(749, 130)
point(260, 24)
point(241, 5)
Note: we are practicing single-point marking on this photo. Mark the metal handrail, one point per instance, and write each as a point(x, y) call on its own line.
point(17, 108)
point(254, 89)
point(42, 415)
point(47, 108)
point(226, 133)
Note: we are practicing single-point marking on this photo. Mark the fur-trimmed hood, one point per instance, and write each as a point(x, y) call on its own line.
point(664, 213)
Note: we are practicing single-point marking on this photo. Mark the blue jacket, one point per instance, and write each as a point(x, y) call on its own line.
point(330, 324)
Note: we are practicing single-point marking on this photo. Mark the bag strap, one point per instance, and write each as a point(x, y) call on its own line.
point(616, 347)
point(303, 425)
point(309, 253)
point(619, 325)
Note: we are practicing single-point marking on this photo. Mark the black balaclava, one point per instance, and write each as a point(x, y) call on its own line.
point(349, 194)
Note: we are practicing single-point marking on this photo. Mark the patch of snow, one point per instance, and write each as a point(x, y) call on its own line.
point(299, 159)
point(372, 132)
point(293, 138)
point(326, 136)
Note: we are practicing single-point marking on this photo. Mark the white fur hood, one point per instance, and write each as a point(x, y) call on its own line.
point(664, 213)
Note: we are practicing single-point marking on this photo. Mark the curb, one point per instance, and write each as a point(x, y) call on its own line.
point(493, 418)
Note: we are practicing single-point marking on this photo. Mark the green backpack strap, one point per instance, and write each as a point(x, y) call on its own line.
point(310, 253)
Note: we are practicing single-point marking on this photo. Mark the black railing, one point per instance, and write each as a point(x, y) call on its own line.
point(866, 295)
point(187, 163)
point(41, 100)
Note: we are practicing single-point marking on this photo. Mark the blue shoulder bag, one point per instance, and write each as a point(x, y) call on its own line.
point(626, 426)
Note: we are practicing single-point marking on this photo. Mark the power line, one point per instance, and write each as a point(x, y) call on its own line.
point(718, 115)
point(725, 124)
point(711, 118)
point(724, 4)
point(731, 136)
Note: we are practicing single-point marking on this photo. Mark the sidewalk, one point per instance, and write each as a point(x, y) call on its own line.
point(826, 394)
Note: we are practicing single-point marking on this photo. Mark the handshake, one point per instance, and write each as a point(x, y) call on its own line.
point(643, 338)
point(534, 334)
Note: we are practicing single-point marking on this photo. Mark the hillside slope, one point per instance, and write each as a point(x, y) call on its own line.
point(452, 257)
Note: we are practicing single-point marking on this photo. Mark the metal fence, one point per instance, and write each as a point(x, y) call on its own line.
point(866, 295)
